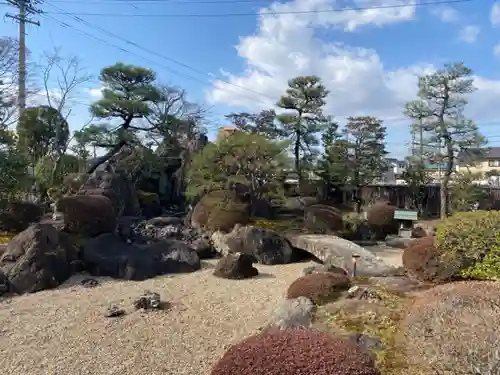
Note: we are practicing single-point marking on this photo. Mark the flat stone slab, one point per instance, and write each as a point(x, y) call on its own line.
point(339, 252)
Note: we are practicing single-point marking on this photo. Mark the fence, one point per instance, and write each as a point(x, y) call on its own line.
point(401, 196)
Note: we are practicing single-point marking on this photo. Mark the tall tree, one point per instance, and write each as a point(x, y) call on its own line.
point(264, 123)
point(13, 166)
point(367, 159)
point(305, 99)
point(41, 130)
point(333, 167)
point(127, 95)
point(444, 92)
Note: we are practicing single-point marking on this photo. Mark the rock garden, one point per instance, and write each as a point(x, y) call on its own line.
point(99, 288)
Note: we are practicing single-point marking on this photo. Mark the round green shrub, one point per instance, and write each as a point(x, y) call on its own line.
point(320, 288)
point(295, 352)
point(470, 243)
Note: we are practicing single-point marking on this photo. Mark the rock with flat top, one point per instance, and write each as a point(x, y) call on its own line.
point(336, 251)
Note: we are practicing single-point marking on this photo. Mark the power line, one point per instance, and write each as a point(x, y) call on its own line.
point(90, 25)
point(318, 11)
point(183, 2)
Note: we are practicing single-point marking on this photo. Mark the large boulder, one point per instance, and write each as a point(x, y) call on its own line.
point(17, 216)
point(117, 187)
point(266, 246)
point(236, 266)
point(339, 252)
point(106, 255)
point(220, 210)
point(38, 258)
point(88, 215)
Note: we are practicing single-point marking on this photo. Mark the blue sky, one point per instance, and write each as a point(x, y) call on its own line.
point(369, 59)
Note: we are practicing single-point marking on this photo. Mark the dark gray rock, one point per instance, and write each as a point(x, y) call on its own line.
point(38, 258)
point(148, 301)
point(106, 255)
point(113, 311)
point(236, 267)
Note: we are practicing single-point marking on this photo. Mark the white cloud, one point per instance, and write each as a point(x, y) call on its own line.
point(469, 33)
point(96, 93)
point(496, 50)
point(287, 46)
point(446, 13)
point(495, 14)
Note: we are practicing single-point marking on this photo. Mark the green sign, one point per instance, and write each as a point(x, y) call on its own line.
point(406, 215)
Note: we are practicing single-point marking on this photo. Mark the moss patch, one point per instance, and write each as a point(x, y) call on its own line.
point(281, 225)
point(6, 237)
point(380, 319)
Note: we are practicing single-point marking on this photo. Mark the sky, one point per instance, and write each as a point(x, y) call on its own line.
point(238, 55)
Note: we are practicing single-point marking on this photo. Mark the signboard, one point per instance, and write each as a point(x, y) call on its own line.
point(406, 215)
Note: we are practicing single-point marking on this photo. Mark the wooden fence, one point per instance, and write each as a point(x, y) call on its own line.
point(401, 196)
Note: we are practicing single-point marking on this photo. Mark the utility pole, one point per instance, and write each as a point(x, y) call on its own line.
point(26, 8)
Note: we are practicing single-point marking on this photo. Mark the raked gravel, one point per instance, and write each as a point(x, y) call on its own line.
point(64, 331)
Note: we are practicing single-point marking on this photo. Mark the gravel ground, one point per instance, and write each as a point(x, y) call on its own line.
point(63, 331)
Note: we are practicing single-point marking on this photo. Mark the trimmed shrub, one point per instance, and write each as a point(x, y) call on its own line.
point(418, 232)
point(320, 218)
point(421, 260)
point(320, 288)
point(295, 352)
point(452, 328)
point(220, 210)
point(18, 216)
point(470, 242)
point(380, 217)
point(89, 215)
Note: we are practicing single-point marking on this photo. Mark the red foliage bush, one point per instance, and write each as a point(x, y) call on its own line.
point(421, 260)
point(320, 218)
point(319, 287)
point(295, 352)
point(452, 328)
point(380, 217)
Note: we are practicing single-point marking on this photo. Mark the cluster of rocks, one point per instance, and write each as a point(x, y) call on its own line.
point(102, 233)
point(147, 301)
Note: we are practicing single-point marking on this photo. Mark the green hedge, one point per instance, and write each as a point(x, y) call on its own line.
point(470, 243)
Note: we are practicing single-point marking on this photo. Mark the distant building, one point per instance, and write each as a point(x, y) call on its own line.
point(226, 131)
point(395, 172)
point(481, 161)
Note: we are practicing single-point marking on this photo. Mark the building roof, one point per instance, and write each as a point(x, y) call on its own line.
point(479, 154)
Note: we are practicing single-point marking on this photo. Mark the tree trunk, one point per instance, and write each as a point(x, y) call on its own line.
point(296, 154)
point(446, 179)
point(106, 157)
